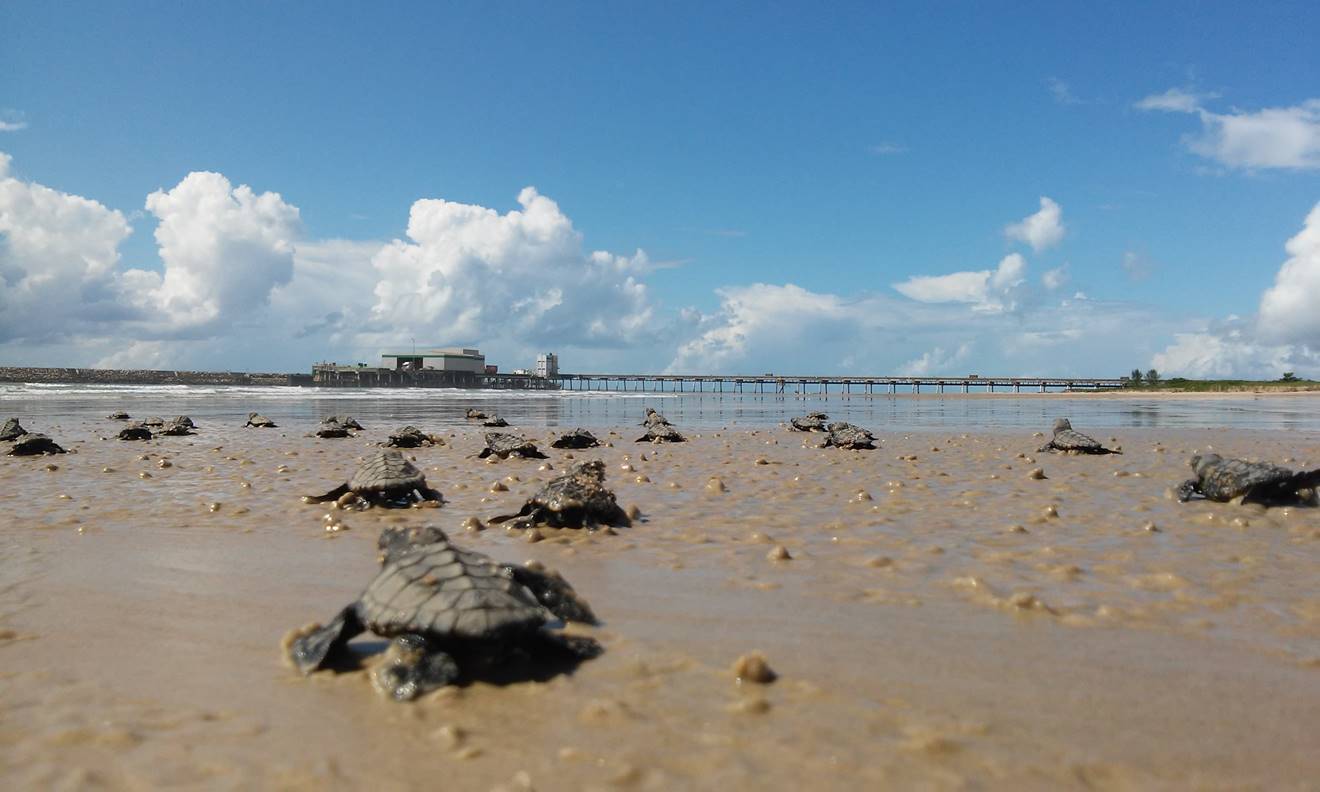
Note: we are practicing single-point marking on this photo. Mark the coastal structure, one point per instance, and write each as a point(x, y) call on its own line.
point(786, 384)
point(547, 365)
point(445, 367)
point(447, 359)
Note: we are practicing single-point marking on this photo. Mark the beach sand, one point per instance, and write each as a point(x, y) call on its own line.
point(945, 619)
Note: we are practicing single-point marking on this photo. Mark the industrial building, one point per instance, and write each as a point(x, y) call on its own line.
point(547, 365)
point(447, 359)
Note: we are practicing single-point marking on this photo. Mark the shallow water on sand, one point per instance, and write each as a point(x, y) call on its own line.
point(445, 407)
point(945, 620)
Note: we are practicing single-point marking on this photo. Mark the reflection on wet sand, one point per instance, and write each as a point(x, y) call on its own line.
point(934, 615)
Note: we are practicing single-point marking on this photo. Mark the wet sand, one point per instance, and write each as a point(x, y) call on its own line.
point(944, 620)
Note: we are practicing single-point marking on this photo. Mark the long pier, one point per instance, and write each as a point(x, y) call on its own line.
point(793, 384)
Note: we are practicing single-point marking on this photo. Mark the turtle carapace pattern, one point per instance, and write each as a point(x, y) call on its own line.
point(12, 430)
point(661, 433)
point(1069, 440)
point(578, 438)
point(409, 437)
point(473, 414)
point(494, 422)
point(385, 479)
point(811, 422)
point(177, 427)
point(505, 445)
point(118, 415)
point(332, 430)
point(260, 421)
point(135, 432)
point(652, 418)
point(452, 614)
point(1220, 479)
point(346, 421)
point(576, 499)
point(153, 421)
point(845, 435)
point(32, 444)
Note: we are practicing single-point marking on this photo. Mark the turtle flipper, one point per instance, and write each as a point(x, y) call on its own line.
point(428, 494)
point(1307, 479)
point(1187, 489)
point(527, 510)
point(310, 649)
point(1048, 447)
point(411, 668)
point(572, 648)
point(333, 494)
point(552, 591)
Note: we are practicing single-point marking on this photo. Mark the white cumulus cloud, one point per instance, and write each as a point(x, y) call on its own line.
point(1284, 336)
point(468, 274)
point(936, 361)
point(1041, 230)
point(985, 290)
point(224, 249)
point(1285, 138)
point(1290, 309)
point(58, 255)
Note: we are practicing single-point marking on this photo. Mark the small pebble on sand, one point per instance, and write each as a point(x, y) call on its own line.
point(779, 553)
point(1036, 473)
point(716, 484)
point(753, 667)
point(473, 524)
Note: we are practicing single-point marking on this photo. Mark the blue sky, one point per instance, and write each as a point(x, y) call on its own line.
point(840, 152)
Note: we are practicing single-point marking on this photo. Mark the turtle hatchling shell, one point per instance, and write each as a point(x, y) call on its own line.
point(386, 471)
point(443, 592)
point(32, 444)
point(11, 430)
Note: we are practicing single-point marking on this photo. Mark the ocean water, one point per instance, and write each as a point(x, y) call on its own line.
point(437, 408)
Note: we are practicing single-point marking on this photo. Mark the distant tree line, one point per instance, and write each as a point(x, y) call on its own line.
point(1151, 378)
point(1136, 379)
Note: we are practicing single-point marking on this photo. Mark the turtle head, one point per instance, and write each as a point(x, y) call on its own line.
point(1201, 462)
point(394, 542)
point(594, 468)
point(1062, 424)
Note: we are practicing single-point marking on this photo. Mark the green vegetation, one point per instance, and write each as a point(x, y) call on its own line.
point(1152, 381)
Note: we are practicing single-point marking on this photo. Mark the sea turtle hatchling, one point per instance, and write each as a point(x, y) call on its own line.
point(177, 427)
point(652, 418)
point(118, 415)
point(578, 438)
point(1220, 479)
point(845, 435)
point(811, 422)
point(661, 433)
point(332, 430)
point(385, 479)
point(1068, 440)
point(260, 421)
point(12, 430)
point(135, 432)
point(473, 414)
point(495, 422)
point(451, 613)
point(575, 499)
point(346, 421)
point(32, 444)
point(153, 421)
point(505, 445)
point(409, 437)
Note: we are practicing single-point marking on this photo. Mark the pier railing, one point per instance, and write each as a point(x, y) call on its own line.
point(796, 384)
